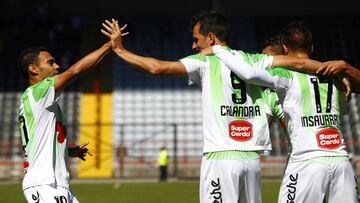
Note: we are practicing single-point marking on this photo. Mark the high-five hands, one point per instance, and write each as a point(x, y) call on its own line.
point(114, 32)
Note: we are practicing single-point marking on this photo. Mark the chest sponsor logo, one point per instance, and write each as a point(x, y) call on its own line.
point(26, 166)
point(328, 138)
point(240, 131)
point(61, 129)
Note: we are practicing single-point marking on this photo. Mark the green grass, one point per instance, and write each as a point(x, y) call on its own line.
point(172, 192)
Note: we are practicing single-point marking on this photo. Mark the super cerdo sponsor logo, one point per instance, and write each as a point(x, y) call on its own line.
point(240, 130)
point(328, 138)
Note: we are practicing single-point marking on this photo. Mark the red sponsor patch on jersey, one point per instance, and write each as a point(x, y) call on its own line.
point(26, 166)
point(61, 129)
point(240, 131)
point(328, 138)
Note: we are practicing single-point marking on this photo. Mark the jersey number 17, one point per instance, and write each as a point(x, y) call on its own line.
point(315, 84)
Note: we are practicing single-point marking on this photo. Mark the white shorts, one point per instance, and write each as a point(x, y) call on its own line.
point(230, 181)
point(48, 193)
point(313, 181)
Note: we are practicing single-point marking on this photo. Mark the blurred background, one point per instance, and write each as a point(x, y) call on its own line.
point(128, 115)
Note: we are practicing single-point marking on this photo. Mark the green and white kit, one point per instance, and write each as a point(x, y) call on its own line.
point(43, 136)
point(234, 116)
point(318, 168)
point(312, 106)
point(235, 129)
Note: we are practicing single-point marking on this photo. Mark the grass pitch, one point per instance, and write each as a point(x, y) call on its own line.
point(134, 192)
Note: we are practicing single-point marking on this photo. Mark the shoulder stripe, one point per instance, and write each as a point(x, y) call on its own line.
point(199, 57)
point(40, 89)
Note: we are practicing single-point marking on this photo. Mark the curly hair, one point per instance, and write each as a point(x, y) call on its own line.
point(29, 56)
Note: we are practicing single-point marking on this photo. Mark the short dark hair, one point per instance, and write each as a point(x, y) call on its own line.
point(212, 21)
point(29, 56)
point(297, 35)
point(275, 44)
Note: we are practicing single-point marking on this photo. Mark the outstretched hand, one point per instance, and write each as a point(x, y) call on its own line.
point(114, 32)
point(80, 151)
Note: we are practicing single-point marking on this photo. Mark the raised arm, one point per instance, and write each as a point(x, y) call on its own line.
point(151, 65)
point(148, 64)
point(329, 68)
point(261, 77)
point(83, 65)
point(244, 71)
point(297, 64)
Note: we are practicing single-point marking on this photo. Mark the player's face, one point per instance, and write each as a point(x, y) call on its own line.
point(46, 65)
point(200, 41)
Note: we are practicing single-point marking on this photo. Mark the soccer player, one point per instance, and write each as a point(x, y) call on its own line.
point(330, 68)
point(235, 126)
point(272, 46)
point(319, 167)
point(42, 130)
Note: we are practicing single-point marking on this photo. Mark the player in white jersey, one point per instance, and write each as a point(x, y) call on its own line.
point(318, 169)
point(235, 127)
point(273, 46)
point(43, 133)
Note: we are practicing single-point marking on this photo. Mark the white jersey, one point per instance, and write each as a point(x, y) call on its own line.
point(312, 106)
point(43, 136)
point(233, 112)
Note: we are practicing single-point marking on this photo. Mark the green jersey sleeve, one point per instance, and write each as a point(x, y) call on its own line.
point(39, 90)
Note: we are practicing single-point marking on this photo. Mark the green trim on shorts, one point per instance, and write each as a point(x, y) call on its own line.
point(232, 155)
point(329, 159)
